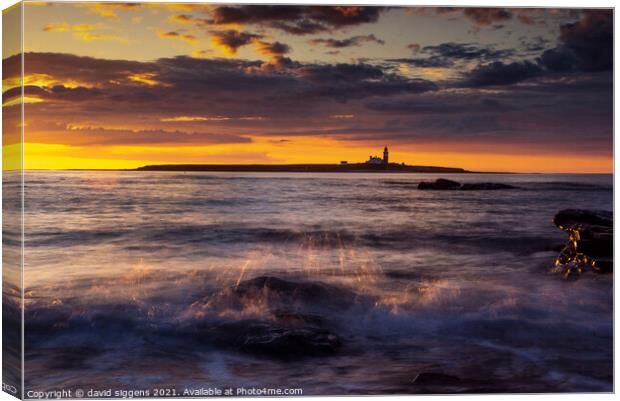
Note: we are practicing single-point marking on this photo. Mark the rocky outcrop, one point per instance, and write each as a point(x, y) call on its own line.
point(439, 184)
point(289, 292)
point(590, 242)
point(279, 318)
point(443, 184)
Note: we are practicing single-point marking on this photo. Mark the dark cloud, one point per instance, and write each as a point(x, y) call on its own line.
point(232, 40)
point(558, 59)
point(591, 39)
point(348, 42)
point(536, 44)
point(446, 55)
point(487, 16)
point(479, 16)
point(92, 136)
point(185, 86)
point(68, 66)
point(466, 51)
point(428, 62)
point(178, 35)
point(499, 73)
point(433, 106)
point(346, 81)
point(297, 20)
point(274, 49)
point(585, 45)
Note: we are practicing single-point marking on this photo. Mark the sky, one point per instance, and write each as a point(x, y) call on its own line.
point(121, 85)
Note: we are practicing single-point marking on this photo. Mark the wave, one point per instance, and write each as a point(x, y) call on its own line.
point(316, 237)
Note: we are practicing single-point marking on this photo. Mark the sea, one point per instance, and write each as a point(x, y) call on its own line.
point(332, 283)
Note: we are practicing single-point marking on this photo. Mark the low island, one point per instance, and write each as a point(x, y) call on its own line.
point(305, 168)
point(374, 164)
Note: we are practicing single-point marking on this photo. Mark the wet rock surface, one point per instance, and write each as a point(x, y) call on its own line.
point(590, 242)
point(292, 342)
point(435, 378)
point(290, 292)
point(443, 184)
point(286, 328)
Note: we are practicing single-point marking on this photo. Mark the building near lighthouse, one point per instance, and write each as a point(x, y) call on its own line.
point(377, 160)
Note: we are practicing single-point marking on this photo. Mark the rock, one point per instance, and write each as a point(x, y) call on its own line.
point(571, 217)
point(286, 343)
point(435, 379)
point(485, 186)
point(443, 184)
point(590, 241)
point(439, 184)
point(285, 292)
point(272, 338)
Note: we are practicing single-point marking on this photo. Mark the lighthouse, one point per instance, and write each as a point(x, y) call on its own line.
point(385, 156)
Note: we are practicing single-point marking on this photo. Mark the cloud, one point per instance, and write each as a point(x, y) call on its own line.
point(591, 40)
point(558, 59)
point(348, 42)
point(414, 47)
point(132, 90)
point(78, 135)
point(446, 55)
point(483, 17)
point(182, 19)
point(84, 32)
point(108, 10)
point(272, 50)
point(466, 51)
point(297, 20)
point(499, 73)
point(90, 37)
point(57, 27)
point(179, 35)
point(585, 45)
point(230, 40)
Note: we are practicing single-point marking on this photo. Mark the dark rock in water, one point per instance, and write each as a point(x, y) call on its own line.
point(571, 217)
point(443, 184)
point(286, 343)
point(276, 339)
point(439, 184)
point(485, 186)
point(293, 292)
point(590, 241)
point(436, 379)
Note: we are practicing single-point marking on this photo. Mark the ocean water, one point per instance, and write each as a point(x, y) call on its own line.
point(144, 280)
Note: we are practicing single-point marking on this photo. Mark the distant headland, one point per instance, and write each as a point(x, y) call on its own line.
point(374, 164)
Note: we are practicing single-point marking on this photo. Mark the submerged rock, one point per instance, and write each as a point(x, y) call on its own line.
point(590, 241)
point(443, 184)
point(273, 317)
point(285, 292)
point(285, 342)
point(434, 379)
point(439, 184)
point(280, 338)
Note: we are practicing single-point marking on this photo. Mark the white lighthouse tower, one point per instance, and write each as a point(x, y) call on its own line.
point(385, 156)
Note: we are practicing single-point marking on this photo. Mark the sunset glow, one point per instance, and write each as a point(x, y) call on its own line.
point(113, 86)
